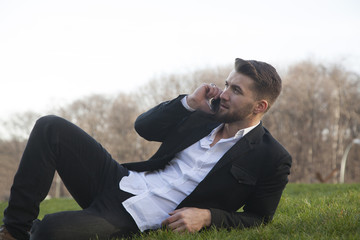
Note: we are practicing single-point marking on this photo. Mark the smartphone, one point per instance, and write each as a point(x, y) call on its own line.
point(214, 104)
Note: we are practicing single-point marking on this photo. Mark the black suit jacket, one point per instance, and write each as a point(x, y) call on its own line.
point(252, 174)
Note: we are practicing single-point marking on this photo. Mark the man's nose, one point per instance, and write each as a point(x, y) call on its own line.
point(224, 95)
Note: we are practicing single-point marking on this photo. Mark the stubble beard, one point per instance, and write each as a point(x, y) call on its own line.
point(226, 116)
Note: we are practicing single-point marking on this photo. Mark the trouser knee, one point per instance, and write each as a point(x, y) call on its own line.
point(49, 120)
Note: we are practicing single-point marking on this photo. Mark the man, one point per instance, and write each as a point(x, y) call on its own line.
point(213, 160)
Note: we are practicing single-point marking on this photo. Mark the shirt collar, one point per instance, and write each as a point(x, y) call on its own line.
point(238, 135)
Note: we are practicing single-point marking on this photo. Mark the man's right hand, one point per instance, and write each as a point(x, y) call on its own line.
point(199, 99)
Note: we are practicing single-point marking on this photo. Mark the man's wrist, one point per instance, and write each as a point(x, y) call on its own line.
point(207, 217)
point(186, 105)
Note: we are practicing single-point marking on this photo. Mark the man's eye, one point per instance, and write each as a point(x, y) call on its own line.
point(237, 91)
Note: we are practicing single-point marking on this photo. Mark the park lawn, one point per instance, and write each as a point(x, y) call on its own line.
point(306, 211)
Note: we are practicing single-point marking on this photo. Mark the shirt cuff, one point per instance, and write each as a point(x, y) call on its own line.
point(186, 105)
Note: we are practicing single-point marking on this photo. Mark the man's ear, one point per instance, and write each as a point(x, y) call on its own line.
point(261, 106)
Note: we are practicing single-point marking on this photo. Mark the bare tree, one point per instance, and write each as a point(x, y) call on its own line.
point(169, 86)
point(124, 143)
point(315, 118)
point(91, 114)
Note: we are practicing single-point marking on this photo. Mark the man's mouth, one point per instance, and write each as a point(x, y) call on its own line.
point(224, 106)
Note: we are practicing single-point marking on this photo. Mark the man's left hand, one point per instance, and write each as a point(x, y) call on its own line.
point(188, 219)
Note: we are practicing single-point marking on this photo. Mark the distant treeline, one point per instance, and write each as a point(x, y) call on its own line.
point(316, 117)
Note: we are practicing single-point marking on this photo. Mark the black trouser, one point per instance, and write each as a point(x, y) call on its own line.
point(89, 173)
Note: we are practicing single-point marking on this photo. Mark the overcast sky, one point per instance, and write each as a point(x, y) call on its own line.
point(52, 52)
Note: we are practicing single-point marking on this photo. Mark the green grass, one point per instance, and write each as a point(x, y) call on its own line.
point(306, 211)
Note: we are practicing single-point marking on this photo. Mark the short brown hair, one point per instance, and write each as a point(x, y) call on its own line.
point(267, 82)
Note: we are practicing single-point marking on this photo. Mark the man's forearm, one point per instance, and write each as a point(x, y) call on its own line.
point(155, 124)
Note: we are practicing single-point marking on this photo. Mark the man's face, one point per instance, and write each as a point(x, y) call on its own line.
point(237, 101)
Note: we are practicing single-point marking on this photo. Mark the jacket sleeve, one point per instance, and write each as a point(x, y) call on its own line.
point(261, 206)
point(156, 123)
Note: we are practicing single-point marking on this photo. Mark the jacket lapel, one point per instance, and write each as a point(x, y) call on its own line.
point(192, 131)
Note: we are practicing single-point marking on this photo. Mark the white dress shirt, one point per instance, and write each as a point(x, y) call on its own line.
point(158, 193)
